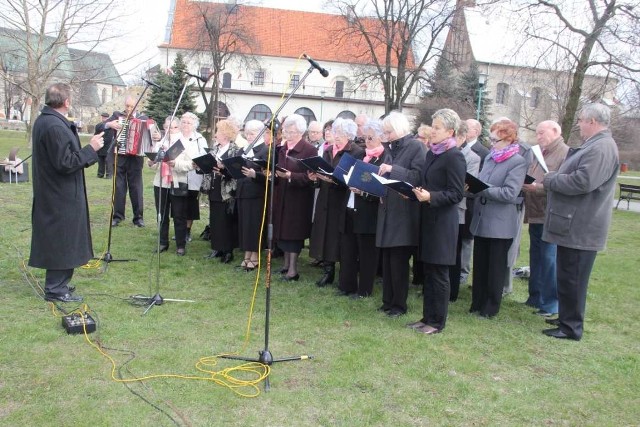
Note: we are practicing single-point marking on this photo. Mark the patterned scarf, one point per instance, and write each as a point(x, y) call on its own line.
point(373, 153)
point(499, 156)
point(443, 146)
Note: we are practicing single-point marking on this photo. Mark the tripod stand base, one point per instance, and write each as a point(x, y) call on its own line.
point(156, 300)
point(266, 358)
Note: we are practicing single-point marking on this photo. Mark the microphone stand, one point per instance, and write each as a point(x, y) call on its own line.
point(264, 356)
point(156, 298)
point(107, 257)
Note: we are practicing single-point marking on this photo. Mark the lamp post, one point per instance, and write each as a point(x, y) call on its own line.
point(482, 80)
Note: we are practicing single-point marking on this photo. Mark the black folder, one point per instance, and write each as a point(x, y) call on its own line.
point(317, 164)
point(234, 166)
point(171, 154)
point(475, 185)
point(206, 163)
point(263, 164)
point(404, 188)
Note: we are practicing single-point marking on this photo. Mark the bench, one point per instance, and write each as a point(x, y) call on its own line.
point(628, 192)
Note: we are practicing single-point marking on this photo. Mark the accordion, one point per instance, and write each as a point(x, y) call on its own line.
point(135, 136)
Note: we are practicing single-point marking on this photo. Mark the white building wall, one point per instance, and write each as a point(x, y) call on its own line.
point(317, 93)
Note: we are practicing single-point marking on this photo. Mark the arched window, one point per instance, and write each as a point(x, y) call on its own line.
point(536, 94)
point(223, 110)
point(306, 113)
point(259, 112)
point(502, 94)
point(226, 81)
point(339, 88)
point(346, 114)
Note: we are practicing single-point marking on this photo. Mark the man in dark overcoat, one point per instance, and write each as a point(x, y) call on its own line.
point(61, 236)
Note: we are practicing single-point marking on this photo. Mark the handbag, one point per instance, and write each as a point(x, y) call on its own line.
point(181, 190)
point(206, 183)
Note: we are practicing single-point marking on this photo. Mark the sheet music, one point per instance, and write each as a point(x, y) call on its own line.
point(538, 153)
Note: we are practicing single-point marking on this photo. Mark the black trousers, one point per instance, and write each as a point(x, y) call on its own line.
point(105, 165)
point(489, 274)
point(435, 297)
point(177, 207)
point(56, 282)
point(395, 277)
point(128, 176)
point(358, 260)
point(573, 271)
point(455, 270)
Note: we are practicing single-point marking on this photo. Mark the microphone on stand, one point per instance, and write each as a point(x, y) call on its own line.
point(315, 65)
point(157, 86)
point(203, 80)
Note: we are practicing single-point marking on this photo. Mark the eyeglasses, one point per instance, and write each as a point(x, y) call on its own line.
point(371, 138)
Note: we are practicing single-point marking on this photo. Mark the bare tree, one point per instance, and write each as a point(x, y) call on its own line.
point(394, 34)
point(601, 41)
point(39, 34)
point(221, 36)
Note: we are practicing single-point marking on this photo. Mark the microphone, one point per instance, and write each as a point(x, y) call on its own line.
point(315, 65)
point(157, 86)
point(197, 77)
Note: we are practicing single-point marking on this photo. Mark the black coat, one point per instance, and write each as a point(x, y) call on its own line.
point(331, 206)
point(253, 188)
point(443, 177)
point(293, 200)
point(398, 217)
point(61, 236)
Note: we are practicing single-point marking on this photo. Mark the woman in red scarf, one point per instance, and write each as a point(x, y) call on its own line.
point(495, 217)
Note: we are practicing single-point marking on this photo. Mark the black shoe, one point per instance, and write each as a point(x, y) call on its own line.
point(180, 251)
point(115, 222)
point(544, 313)
point(395, 313)
point(139, 223)
point(227, 258)
point(557, 333)
point(554, 322)
point(63, 298)
point(329, 274)
point(213, 254)
point(384, 309)
point(286, 278)
point(163, 248)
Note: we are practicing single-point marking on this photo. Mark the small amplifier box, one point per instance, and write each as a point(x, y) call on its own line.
point(73, 323)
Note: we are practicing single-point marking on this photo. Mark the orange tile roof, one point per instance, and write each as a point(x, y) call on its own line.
point(279, 33)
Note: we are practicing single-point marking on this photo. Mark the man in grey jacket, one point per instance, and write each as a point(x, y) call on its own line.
point(579, 214)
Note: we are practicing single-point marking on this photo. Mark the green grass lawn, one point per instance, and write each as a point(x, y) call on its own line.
point(366, 370)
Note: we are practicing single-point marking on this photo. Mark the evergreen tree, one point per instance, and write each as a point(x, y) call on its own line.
point(161, 102)
point(470, 92)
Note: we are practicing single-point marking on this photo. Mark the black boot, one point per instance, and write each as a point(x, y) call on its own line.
point(329, 273)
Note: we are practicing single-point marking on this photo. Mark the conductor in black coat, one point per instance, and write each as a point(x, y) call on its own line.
point(441, 191)
point(61, 238)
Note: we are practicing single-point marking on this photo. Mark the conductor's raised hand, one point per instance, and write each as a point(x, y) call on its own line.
point(97, 141)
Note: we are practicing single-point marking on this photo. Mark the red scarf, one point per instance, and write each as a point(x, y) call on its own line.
point(373, 153)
